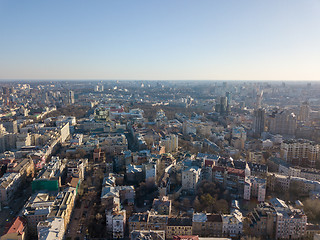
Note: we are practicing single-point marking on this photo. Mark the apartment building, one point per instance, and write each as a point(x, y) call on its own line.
point(51, 229)
point(9, 184)
point(301, 152)
point(17, 230)
point(277, 220)
point(115, 223)
point(190, 179)
point(178, 226)
point(207, 225)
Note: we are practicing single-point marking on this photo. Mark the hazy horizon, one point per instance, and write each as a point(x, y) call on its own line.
point(167, 40)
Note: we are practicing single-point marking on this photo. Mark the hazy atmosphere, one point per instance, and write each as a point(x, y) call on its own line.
point(160, 40)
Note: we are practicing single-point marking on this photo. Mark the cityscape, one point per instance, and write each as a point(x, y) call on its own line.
point(160, 160)
point(159, 120)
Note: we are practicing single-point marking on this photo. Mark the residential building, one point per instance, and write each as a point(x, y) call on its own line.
point(162, 206)
point(9, 184)
point(37, 209)
point(115, 223)
point(170, 143)
point(277, 220)
point(147, 235)
point(190, 178)
point(301, 152)
point(258, 122)
point(232, 224)
point(207, 225)
point(178, 226)
point(51, 229)
point(17, 230)
point(255, 187)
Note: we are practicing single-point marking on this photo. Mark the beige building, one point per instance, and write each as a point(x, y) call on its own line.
point(9, 184)
point(207, 225)
point(170, 143)
point(178, 226)
point(51, 229)
point(276, 220)
point(301, 152)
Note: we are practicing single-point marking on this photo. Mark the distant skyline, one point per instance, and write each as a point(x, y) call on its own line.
point(160, 40)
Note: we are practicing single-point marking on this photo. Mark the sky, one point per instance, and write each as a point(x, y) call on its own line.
point(160, 40)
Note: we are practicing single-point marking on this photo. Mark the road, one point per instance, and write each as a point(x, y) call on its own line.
point(78, 225)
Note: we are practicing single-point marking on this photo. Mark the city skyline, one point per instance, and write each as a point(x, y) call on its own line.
point(171, 40)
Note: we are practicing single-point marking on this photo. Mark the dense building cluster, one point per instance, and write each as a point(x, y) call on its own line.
point(159, 160)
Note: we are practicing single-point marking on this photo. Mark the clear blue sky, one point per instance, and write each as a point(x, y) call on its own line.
point(167, 39)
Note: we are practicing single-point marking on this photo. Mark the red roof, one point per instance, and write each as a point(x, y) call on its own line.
point(17, 226)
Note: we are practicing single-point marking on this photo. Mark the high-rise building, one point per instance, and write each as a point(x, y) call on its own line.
point(10, 125)
point(228, 96)
point(304, 113)
point(71, 97)
point(258, 122)
point(223, 105)
point(284, 122)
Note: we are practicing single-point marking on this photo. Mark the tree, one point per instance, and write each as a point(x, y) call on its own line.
point(312, 209)
point(221, 206)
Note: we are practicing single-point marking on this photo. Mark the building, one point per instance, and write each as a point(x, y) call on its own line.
point(24, 166)
point(115, 223)
point(49, 178)
point(223, 105)
point(232, 224)
point(207, 225)
point(151, 173)
point(291, 223)
point(178, 226)
point(277, 220)
point(23, 139)
point(51, 229)
point(77, 168)
point(10, 126)
point(283, 122)
point(231, 179)
point(258, 122)
point(255, 187)
point(162, 206)
point(148, 221)
point(71, 97)
point(301, 152)
point(190, 178)
point(147, 235)
point(9, 184)
point(170, 143)
point(17, 230)
point(63, 205)
point(138, 221)
point(36, 210)
point(304, 113)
